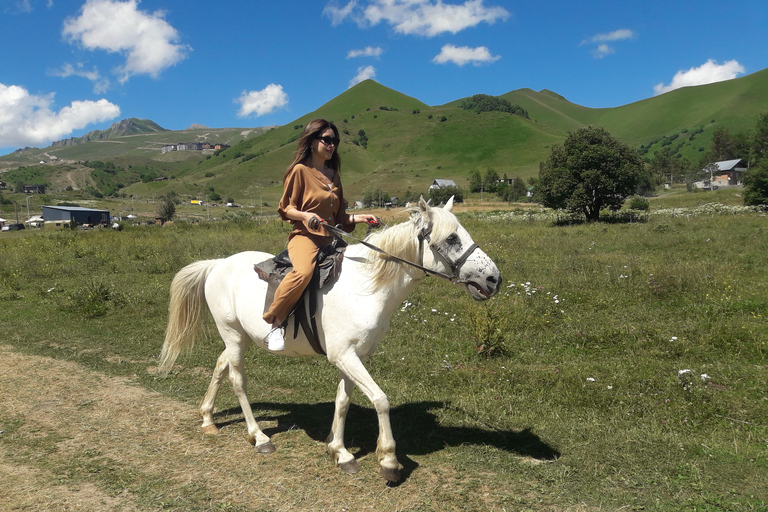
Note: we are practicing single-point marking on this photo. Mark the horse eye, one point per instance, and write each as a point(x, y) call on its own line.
point(452, 239)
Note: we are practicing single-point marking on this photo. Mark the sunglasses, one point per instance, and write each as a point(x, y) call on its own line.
point(328, 141)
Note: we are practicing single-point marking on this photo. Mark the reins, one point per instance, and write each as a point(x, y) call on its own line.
point(424, 235)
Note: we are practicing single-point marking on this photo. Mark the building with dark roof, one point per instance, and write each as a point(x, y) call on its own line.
point(76, 214)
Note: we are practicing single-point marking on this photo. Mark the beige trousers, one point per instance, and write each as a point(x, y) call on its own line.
point(302, 250)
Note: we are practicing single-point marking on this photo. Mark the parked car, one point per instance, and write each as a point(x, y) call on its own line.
point(13, 227)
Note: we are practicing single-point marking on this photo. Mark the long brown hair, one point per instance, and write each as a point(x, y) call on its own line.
point(312, 131)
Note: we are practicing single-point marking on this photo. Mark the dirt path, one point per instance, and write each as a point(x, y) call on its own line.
point(73, 439)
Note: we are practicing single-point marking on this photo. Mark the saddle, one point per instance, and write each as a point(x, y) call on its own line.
point(327, 268)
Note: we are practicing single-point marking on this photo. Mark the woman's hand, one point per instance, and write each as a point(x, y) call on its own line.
point(313, 220)
point(370, 219)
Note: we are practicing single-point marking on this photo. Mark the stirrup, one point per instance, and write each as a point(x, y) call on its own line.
point(275, 340)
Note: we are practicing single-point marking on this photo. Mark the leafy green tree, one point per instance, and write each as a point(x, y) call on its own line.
point(723, 146)
point(475, 180)
point(490, 180)
point(167, 207)
point(661, 166)
point(441, 195)
point(376, 198)
point(485, 103)
point(362, 139)
point(515, 192)
point(760, 139)
point(590, 171)
point(756, 185)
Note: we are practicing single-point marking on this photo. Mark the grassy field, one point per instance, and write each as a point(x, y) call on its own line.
point(622, 367)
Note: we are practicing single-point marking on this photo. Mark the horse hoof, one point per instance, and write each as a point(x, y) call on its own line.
point(350, 467)
point(210, 430)
point(266, 448)
point(390, 475)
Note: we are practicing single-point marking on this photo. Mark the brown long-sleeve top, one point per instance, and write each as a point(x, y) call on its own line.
point(308, 190)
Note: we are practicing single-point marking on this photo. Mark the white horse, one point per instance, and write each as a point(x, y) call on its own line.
point(353, 315)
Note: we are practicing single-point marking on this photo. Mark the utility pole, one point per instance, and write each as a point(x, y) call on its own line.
point(28, 208)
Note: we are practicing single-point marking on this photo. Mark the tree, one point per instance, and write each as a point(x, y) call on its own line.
point(756, 185)
point(485, 103)
point(443, 194)
point(760, 139)
point(723, 147)
point(662, 166)
point(590, 171)
point(376, 199)
point(490, 180)
point(167, 207)
point(517, 191)
point(475, 181)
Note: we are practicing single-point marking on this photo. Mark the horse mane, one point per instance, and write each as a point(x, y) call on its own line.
point(401, 240)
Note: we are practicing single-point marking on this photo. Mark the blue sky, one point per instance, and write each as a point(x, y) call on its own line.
point(69, 67)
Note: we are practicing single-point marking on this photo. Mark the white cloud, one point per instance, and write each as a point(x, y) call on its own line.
point(417, 17)
point(602, 50)
point(339, 14)
point(27, 120)
point(368, 51)
point(601, 40)
point(707, 73)
point(263, 102)
point(147, 41)
point(100, 83)
point(616, 35)
point(461, 55)
point(363, 73)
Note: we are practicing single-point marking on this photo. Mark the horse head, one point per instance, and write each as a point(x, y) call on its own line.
point(450, 250)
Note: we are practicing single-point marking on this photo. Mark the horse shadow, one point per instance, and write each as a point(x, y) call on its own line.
point(414, 425)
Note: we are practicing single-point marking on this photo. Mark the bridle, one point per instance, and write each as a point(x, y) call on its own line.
point(424, 236)
point(454, 265)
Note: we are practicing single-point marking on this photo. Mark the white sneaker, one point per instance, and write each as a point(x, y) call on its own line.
point(276, 340)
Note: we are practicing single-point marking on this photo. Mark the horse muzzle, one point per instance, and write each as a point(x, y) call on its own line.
point(483, 291)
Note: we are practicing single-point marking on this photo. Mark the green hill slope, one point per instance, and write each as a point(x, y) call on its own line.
point(733, 104)
point(409, 143)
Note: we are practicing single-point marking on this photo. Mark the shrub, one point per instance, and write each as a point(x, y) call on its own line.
point(488, 333)
point(639, 203)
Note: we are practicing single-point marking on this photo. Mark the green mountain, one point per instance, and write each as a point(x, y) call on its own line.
point(391, 141)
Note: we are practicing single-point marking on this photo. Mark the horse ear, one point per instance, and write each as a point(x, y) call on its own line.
point(449, 205)
point(423, 205)
point(424, 208)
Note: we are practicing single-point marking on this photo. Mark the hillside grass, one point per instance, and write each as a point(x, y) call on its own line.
point(633, 373)
point(411, 143)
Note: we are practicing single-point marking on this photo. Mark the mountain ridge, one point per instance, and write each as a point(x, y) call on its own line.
point(130, 126)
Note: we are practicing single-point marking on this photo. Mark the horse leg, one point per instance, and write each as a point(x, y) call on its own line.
point(336, 449)
point(351, 366)
point(207, 406)
point(237, 377)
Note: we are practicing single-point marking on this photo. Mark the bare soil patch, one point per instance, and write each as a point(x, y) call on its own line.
point(74, 439)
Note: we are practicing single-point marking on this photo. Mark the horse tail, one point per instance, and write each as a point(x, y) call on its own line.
point(185, 311)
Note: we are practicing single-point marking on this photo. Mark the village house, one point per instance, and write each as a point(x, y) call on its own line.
point(438, 184)
point(34, 189)
point(191, 146)
point(727, 173)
